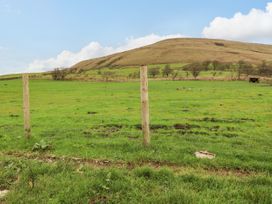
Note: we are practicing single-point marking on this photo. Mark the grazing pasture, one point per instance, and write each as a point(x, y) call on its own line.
point(86, 143)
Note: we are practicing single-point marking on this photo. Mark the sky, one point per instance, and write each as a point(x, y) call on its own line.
point(40, 35)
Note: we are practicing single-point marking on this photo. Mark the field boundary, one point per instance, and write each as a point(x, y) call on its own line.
point(129, 165)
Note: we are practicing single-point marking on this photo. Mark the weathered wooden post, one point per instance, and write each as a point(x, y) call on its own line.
point(145, 104)
point(26, 106)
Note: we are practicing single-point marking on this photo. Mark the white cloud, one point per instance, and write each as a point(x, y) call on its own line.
point(255, 26)
point(92, 50)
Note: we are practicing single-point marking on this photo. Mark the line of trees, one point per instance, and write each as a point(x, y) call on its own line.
point(166, 71)
point(238, 70)
point(215, 67)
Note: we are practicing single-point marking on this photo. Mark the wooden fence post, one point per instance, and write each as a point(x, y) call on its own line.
point(26, 106)
point(145, 105)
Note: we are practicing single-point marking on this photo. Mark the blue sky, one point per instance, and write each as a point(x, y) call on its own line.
point(40, 30)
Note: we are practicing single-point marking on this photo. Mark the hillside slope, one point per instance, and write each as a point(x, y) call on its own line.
point(182, 50)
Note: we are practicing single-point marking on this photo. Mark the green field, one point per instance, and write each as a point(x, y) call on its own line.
point(93, 131)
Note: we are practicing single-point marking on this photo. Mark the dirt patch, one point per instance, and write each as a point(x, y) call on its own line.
point(190, 132)
point(123, 164)
point(184, 88)
point(177, 126)
point(118, 126)
point(230, 128)
point(224, 120)
point(133, 137)
point(13, 116)
point(103, 130)
point(91, 113)
point(214, 128)
point(229, 135)
point(186, 126)
point(154, 127)
point(185, 110)
point(138, 127)
point(247, 119)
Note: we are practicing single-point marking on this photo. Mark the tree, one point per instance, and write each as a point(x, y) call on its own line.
point(248, 69)
point(214, 73)
point(244, 68)
point(233, 69)
point(187, 75)
point(167, 70)
point(239, 68)
point(154, 71)
point(134, 75)
point(194, 68)
point(223, 66)
point(215, 65)
point(107, 75)
point(207, 65)
point(265, 69)
point(174, 75)
point(58, 74)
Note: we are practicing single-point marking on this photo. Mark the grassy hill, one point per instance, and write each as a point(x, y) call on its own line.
point(183, 50)
point(175, 52)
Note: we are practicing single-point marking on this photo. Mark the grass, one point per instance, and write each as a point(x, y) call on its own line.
point(101, 121)
point(65, 183)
